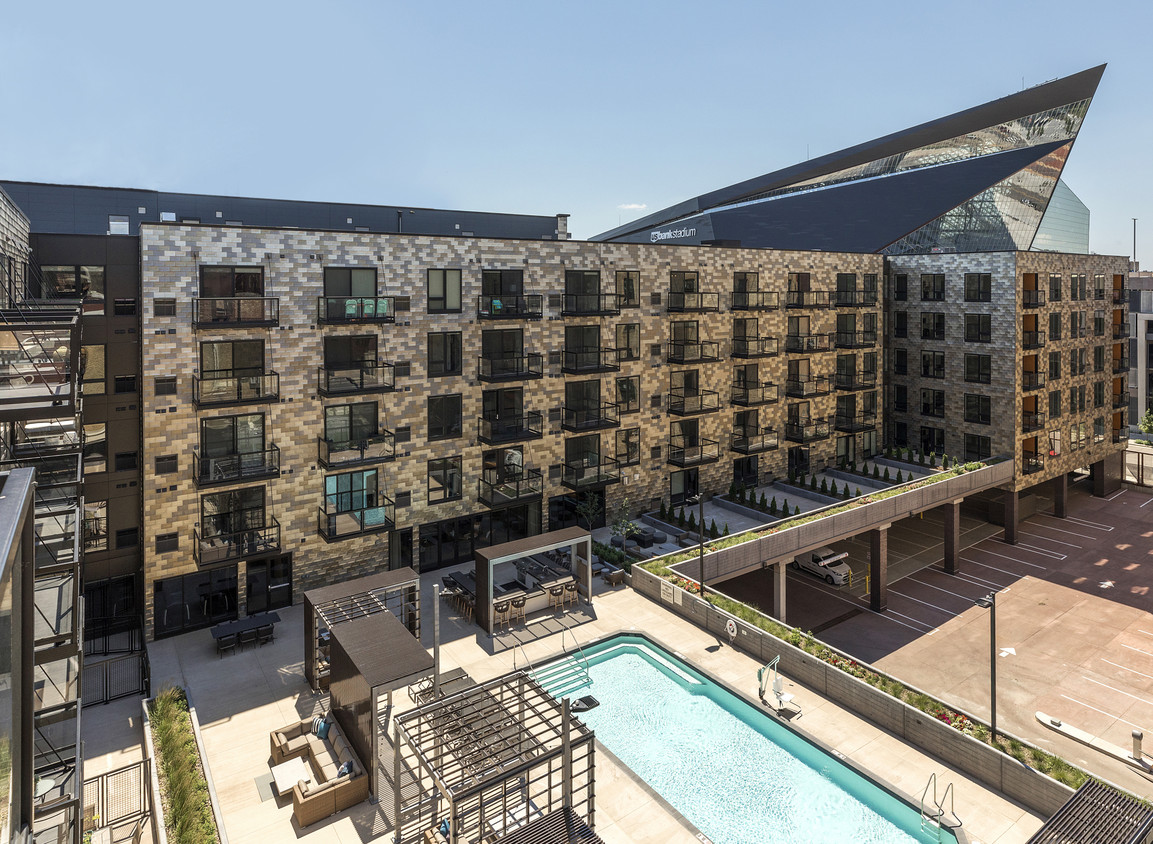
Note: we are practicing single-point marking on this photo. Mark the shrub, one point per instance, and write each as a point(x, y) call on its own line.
point(663, 513)
point(681, 518)
point(732, 489)
point(692, 520)
point(763, 504)
point(877, 471)
point(845, 492)
point(858, 493)
point(797, 510)
point(945, 462)
point(900, 479)
point(933, 460)
point(725, 532)
point(824, 487)
point(786, 507)
point(188, 818)
point(773, 506)
point(813, 482)
point(921, 459)
point(713, 532)
point(792, 476)
point(886, 478)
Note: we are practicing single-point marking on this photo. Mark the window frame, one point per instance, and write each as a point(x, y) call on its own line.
point(441, 360)
point(449, 432)
point(445, 465)
point(441, 303)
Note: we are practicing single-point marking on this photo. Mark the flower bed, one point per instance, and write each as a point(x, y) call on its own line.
point(188, 816)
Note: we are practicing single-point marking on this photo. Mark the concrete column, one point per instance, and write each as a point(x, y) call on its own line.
point(1107, 474)
point(779, 592)
point(1011, 508)
point(1061, 495)
point(879, 569)
point(952, 514)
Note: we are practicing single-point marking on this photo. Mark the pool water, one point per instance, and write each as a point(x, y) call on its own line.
point(737, 774)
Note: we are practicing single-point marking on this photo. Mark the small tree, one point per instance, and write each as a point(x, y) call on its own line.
point(773, 506)
point(933, 460)
point(785, 507)
point(858, 492)
point(692, 520)
point(762, 503)
point(589, 509)
point(725, 532)
point(886, 477)
point(623, 525)
point(663, 513)
point(792, 476)
point(813, 482)
point(945, 462)
point(797, 510)
point(732, 489)
point(824, 487)
point(1145, 426)
point(845, 492)
point(681, 517)
point(921, 458)
point(713, 532)
point(877, 471)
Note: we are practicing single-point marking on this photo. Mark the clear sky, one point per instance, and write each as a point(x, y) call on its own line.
point(605, 110)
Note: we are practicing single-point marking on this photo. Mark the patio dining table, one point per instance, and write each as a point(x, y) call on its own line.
point(228, 628)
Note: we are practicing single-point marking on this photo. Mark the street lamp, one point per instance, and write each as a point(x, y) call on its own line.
point(989, 603)
point(700, 502)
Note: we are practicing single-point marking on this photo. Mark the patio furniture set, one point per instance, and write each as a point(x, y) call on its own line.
point(258, 629)
point(315, 761)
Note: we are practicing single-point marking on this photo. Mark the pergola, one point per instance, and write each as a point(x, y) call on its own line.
point(1101, 814)
point(495, 758)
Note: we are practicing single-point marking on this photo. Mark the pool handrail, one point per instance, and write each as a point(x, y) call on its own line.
point(584, 663)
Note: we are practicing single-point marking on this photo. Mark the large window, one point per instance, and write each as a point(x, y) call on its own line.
point(933, 364)
point(978, 328)
point(977, 447)
point(629, 394)
point(444, 479)
point(444, 353)
point(1054, 404)
point(224, 515)
point(933, 287)
point(1054, 288)
point(932, 440)
point(932, 326)
point(978, 287)
point(227, 436)
point(499, 282)
point(231, 282)
point(628, 450)
point(933, 403)
point(350, 423)
point(978, 409)
point(900, 361)
point(95, 448)
point(444, 417)
point(237, 358)
point(629, 341)
point(978, 368)
point(359, 282)
point(351, 492)
point(900, 287)
point(92, 367)
point(900, 323)
point(192, 601)
point(1054, 365)
point(900, 397)
point(443, 291)
point(628, 288)
point(74, 282)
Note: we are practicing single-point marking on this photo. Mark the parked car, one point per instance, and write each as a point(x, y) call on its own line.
point(826, 563)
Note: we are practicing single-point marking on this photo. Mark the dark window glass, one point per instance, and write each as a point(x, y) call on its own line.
point(1054, 365)
point(629, 394)
point(977, 447)
point(231, 282)
point(350, 423)
point(932, 439)
point(933, 364)
point(166, 542)
point(125, 461)
point(900, 287)
point(444, 479)
point(933, 287)
point(164, 307)
point(124, 307)
point(444, 417)
point(127, 538)
point(978, 368)
point(629, 341)
point(629, 288)
point(978, 409)
point(978, 328)
point(125, 383)
point(166, 464)
point(900, 361)
point(165, 386)
point(978, 287)
point(1054, 326)
point(933, 403)
point(444, 354)
point(628, 451)
point(932, 326)
point(359, 282)
point(1054, 404)
point(900, 397)
point(900, 324)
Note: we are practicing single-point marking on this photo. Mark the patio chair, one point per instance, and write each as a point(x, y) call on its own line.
point(556, 598)
point(500, 614)
point(517, 610)
point(265, 633)
point(570, 593)
point(247, 637)
point(225, 643)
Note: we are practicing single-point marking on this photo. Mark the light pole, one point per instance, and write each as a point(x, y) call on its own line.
point(990, 603)
point(700, 496)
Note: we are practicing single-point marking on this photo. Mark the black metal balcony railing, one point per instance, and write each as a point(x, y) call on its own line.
point(591, 418)
point(590, 304)
point(1032, 462)
point(853, 422)
point(816, 385)
point(1121, 296)
point(688, 404)
point(494, 489)
point(807, 431)
point(1120, 400)
point(591, 360)
point(366, 376)
point(1120, 435)
point(694, 302)
point(754, 347)
point(1032, 380)
point(753, 441)
point(376, 448)
point(1120, 330)
point(755, 300)
point(855, 298)
point(1032, 298)
point(856, 380)
point(807, 299)
point(232, 468)
point(581, 474)
point(856, 339)
point(338, 310)
point(237, 312)
point(693, 452)
point(693, 351)
point(234, 386)
point(353, 522)
point(1032, 420)
point(1120, 365)
point(511, 368)
point(1032, 339)
point(211, 549)
point(749, 395)
point(530, 306)
point(506, 429)
point(808, 342)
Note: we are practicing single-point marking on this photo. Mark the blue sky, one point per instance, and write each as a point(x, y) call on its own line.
point(590, 108)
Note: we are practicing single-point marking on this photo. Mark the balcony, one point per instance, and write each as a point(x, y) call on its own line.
point(755, 300)
point(1120, 435)
point(1032, 339)
point(808, 342)
point(856, 380)
point(604, 415)
point(807, 299)
point(683, 453)
point(851, 423)
point(225, 547)
point(239, 312)
point(754, 347)
point(1120, 330)
point(1121, 296)
point(590, 304)
point(803, 388)
point(510, 307)
point(581, 474)
point(807, 431)
point(1120, 365)
point(233, 468)
point(855, 298)
point(345, 310)
point(753, 441)
point(215, 387)
point(511, 368)
point(507, 429)
point(1031, 462)
point(1032, 420)
point(591, 360)
point(1032, 298)
point(693, 351)
point(1120, 400)
point(366, 376)
point(493, 492)
point(698, 303)
point(690, 404)
point(856, 339)
point(373, 449)
point(334, 526)
point(751, 395)
point(1032, 380)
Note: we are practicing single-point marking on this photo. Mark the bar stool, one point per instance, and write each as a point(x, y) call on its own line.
point(556, 598)
point(518, 609)
point(500, 614)
point(570, 593)
point(468, 606)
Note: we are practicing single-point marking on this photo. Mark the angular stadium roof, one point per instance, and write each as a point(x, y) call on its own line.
point(978, 180)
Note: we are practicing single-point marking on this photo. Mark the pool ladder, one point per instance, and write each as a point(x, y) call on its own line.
point(933, 814)
point(568, 673)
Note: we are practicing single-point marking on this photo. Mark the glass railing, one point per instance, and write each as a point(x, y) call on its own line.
point(590, 360)
point(1120, 400)
point(234, 386)
point(807, 299)
point(511, 368)
point(702, 401)
point(582, 474)
point(236, 312)
point(803, 432)
point(855, 298)
point(1120, 330)
point(341, 309)
point(855, 339)
point(693, 351)
point(604, 415)
point(1032, 298)
point(753, 394)
point(496, 488)
point(1031, 339)
point(509, 428)
point(590, 304)
point(856, 380)
point(1032, 380)
point(808, 342)
point(1121, 365)
point(851, 422)
point(352, 522)
point(371, 449)
point(367, 376)
point(755, 300)
point(221, 547)
point(754, 347)
point(754, 442)
point(530, 306)
point(817, 385)
point(1032, 420)
point(1121, 435)
point(231, 468)
point(685, 452)
point(1032, 462)
point(694, 302)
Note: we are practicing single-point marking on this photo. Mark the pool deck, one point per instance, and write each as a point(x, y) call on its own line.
point(241, 698)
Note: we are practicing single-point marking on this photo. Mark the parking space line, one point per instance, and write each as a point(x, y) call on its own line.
point(994, 568)
point(1146, 632)
point(949, 613)
point(1116, 495)
point(1118, 691)
point(965, 598)
point(1044, 552)
point(980, 581)
point(1127, 668)
point(1150, 501)
point(928, 629)
point(1014, 559)
point(1102, 711)
point(1062, 530)
point(1050, 539)
point(1088, 523)
point(1130, 647)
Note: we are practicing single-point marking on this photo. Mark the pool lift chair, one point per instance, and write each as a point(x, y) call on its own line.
point(768, 675)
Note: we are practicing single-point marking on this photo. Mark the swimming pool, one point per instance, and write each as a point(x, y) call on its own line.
point(733, 771)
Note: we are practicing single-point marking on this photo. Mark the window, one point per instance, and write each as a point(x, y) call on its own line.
point(977, 447)
point(228, 359)
point(1099, 359)
point(1054, 326)
point(1078, 361)
point(628, 288)
point(978, 368)
point(1077, 399)
point(932, 439)
point(192, 601)
point(900, 324)
point(165, 386)
point(1054, 404)
point(118, 224)
point(124, 384)
point(125, 461)
point(1054, 365)
point(444, 354)
point(933, 287)
point(350, 423)
point(978, 287)
point(444, 291)
point(444, 417)
point(225, 437)
point(932, 326)
point(933, 403)
point(1099, 394)
point(1099, 430)
point(1054, 443)
point(231, 282)
point(629, 341)
point(92, 370)
point(629, 394)
point(74, 282)
point(900, 397)
point(359, 282)
point(124, 307)
point(900, 287)
point(166, 464)
point(353, 492)
point(166, 542)
point(1054, 288)
point(978, 409)
point(127, 537)
point(629, 446)
point(978, 328)
point(444, 480)
point(95, 448)
point(933, 364)
point(164, 307)
point(901, 434)
point(900, 362)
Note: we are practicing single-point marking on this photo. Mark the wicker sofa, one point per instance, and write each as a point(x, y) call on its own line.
point(327, 793)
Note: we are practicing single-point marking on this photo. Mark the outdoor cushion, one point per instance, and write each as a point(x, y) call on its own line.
point(296, 746)
point(322, 730)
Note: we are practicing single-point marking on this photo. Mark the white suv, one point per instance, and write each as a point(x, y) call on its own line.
point(826, 563)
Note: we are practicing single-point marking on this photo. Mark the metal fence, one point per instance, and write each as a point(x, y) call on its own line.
point(104, 637)
point(120, 799)
point(110, 679)
point(1138, 467)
